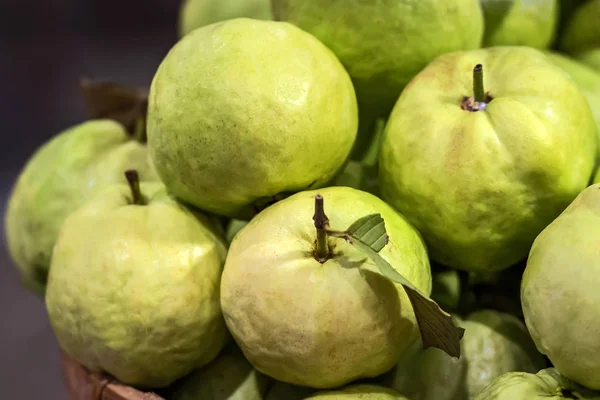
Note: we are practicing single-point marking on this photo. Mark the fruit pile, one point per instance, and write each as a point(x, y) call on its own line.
point(321, 199)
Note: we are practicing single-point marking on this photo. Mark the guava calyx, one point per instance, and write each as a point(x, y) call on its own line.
point(480, 99)
point(321, 251)
point(134, 184)
point(124, 104)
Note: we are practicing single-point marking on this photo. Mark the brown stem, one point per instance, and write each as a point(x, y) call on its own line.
point(321, 222)
point(134, 183)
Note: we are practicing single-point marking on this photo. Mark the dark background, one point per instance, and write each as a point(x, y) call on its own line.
point(45, 46)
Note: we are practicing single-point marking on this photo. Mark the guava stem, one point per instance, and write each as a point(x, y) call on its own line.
point(134, 183)
point(321, 222)
point(478, 90)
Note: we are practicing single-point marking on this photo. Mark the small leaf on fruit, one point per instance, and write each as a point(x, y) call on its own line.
point(437, 329)
point(370, 230)
point(124, 104)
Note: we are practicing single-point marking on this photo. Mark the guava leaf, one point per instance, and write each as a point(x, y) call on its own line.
point(437, 329)
point(370, 230)
point(124, 104)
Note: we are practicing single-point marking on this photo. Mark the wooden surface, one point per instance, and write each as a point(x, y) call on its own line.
point(85, 385)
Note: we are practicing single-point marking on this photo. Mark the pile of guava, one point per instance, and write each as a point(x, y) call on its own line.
point(321, 199)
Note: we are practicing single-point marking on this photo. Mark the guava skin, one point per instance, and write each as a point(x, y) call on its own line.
point(480, 186)
point(582, 31)
point(559, 290)
point(58, 178)
point(591, 58)
point(364, 391)
point(194, 14)
point(494, 343)
point(520, 22)
point(321, 325)
point(383, 44)
point(585, 77)
point(133, 290)
point(244, 110)
point(547, 384)
point(229, 377)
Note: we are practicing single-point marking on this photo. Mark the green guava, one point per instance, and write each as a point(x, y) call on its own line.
point(581, 35)
point(596, 178)
point(133, 289)
point(480, 176)
point(194, 14)
point(383, 44)
point(494, 343)
point(58, 178)
point(446, 290)
point(585, 77)
point(364, 391)
point(321, 324)
point(519, 22)
point(229, 377)
point(243, 112)
point(559, 290)
point(547, 384)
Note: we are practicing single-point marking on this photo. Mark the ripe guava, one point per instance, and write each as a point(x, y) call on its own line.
point(133, 289)
point(384, 44)
point(581, 35)
point(585, 77)
point(244, 112)
point(359, 391)
point(58, 178)
point(194, 14)
point(321, 323)
point(547, 384)
point(520, 22)
point(494, 343)
point(481, 172)
point(229, 377)
point(559, 290)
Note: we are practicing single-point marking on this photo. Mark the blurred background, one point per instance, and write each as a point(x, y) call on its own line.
point(45, 46)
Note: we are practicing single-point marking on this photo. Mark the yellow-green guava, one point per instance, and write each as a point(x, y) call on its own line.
point(547, 384)
point(229, 377)
point(481, 178)
point(133, 289)
point(359, 391)
point(559, 290)
point(520, 22)
point(194, 14)
point(585, 77)
point(244, 111)
point(494, 343)
point(58, 178)
point(581, 34)
point(383, 44)
point(314, 324)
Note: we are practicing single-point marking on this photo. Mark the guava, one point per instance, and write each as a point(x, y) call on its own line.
point(58, 178)
point(364, 391)
point(596, 178)
point(547, 384)
point(194, 14)
point(494, 343)
point(321, 322)
point(480, 169)
point(229, 377)
point(383, 44)
point(133, 289)
point(446, 290)
point(520, 22)
point(244, 112)
point(559, 290)
point(581, 34)
point(585, 77)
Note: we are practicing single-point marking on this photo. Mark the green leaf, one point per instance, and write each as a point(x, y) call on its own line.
point(370, 230)
point(436, 326)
